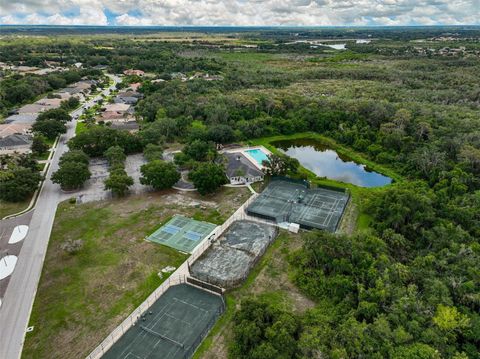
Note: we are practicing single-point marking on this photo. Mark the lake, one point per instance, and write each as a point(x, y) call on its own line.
point(325, 162)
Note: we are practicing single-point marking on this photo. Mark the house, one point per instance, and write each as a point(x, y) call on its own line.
point(135, 86)
point(33, 108)
point(28, 118)
point(129, 100)
point(50, 102)
point(128, 125)
point(116, 107)
point(240, 170)
point(15, 144)
point(112, 116)
point(8, 129)
point(132, 72)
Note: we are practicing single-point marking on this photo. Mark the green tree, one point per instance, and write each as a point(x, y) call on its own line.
point(18, 184)
point(200, 150)
point(39, 144)
point(159, 174)
point(207, 177)
point(280, 165)
point(115, 156)
point(49, 128)
point(118, 182)
point(71, 175)
point(76, 156)
point(153, 152)
point(58, 114)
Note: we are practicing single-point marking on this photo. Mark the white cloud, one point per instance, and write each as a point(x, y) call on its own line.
point(240, 12)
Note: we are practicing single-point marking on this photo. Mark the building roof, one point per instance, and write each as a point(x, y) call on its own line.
point(8, 129)
point(134, 72)
point(239, 166)
point(71, 90)
point(32, 109)
point(130, 94)
point(126, 125)
point(112, 115)
point(117, 107)
point(135, 86)
point(51, 102)
point(22, 118)
point(15, 140)
point(125, 99)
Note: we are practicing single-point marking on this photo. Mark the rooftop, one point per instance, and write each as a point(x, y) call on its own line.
point(239, 166)
point(15, 140)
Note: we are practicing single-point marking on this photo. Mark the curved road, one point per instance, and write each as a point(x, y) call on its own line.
point(20, 294)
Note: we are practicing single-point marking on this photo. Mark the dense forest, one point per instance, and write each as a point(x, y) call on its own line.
point(408, 286)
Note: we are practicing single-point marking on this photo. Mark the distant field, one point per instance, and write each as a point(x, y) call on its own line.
point(83, 296)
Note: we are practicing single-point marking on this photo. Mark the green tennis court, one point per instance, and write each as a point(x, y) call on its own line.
point(172, 328)
point(182, 233)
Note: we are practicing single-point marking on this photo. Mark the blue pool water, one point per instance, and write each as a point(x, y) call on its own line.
point(258, 155)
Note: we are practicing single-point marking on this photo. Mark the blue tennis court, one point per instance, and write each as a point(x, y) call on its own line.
point(182, 233)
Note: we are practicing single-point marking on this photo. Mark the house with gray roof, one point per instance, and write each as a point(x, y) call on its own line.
point(15, 143)
point(240, 170)
point(27, 118)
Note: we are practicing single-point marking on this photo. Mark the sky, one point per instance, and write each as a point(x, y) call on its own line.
point(240, 12)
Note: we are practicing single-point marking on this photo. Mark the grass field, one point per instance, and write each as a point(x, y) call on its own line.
point(270, 281)
point(83, 296)
point(7, 208)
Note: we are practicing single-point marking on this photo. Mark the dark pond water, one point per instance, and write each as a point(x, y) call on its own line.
point(325, 162)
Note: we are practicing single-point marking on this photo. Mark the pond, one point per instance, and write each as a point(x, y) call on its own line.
point(325, 162)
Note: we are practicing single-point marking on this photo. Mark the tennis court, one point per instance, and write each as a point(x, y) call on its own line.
point(285, 201)
point(182, 233)
point(172, 328)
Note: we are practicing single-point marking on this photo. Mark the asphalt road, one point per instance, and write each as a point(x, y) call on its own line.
point(20, 294)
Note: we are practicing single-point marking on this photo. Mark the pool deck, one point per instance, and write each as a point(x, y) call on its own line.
point(243, 151)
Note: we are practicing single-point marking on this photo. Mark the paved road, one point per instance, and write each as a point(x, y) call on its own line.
point(20, 294)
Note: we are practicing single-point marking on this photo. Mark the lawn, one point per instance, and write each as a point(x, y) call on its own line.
point(82, 296)
point(268, 280)
point(7, 208)
point(81, 127)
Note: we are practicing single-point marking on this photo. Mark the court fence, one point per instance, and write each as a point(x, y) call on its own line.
point(178, 277)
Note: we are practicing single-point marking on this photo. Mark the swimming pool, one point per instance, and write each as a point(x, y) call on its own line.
point(258, 155)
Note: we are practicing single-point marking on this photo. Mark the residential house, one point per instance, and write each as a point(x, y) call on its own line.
point(27, 118)
point(240, 170)
point(132, 72)
point(33, 108)
point(8, 129)
point(15, 144)
point(50, 102)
